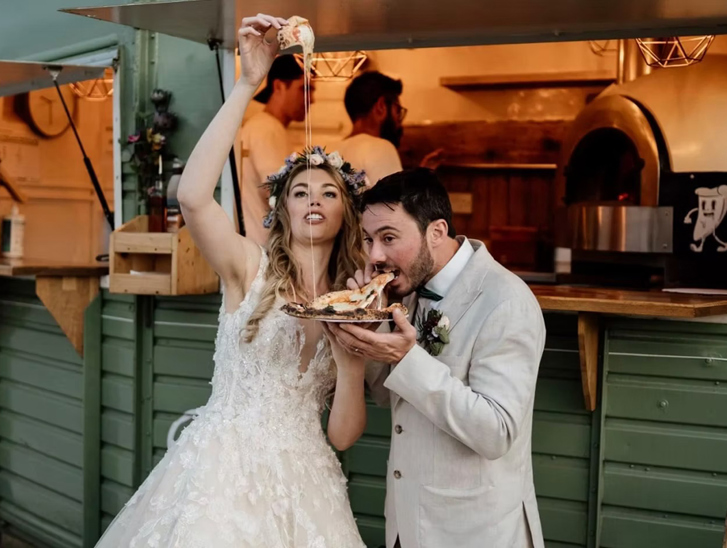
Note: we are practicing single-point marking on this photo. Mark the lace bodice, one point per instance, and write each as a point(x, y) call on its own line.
point(261, 379)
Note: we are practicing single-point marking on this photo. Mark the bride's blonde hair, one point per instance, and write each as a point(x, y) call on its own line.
point(282, 276)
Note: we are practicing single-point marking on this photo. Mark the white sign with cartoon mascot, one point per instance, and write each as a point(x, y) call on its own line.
point(710, 213)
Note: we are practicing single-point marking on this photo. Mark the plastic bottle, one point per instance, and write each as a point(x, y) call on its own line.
point(13, 234)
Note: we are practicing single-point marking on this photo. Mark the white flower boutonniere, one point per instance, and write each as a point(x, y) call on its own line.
point(434, 332)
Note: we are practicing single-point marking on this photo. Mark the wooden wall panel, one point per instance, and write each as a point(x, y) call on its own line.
point(508, 168)
point(63, 219)
point(486, 142)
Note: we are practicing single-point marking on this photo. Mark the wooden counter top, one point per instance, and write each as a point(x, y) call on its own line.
point(631, 303)
point(591, 302)
point(66, 289)
point(44, 267)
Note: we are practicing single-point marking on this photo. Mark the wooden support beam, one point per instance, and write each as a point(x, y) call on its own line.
point(66, 298)
point(588, 345)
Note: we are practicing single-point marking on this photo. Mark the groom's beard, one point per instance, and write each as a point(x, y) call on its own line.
point(391, 131)
point(419, 271)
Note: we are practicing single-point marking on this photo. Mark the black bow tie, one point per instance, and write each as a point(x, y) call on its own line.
point(425, 293)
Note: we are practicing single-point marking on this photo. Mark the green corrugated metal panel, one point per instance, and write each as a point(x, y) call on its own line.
point(639, 442)
point(664, 470)
point(26, 526)
point(92, 469)
point(184, 333)
point(566, 435)
point(119, 466)
point(634, 529)
point(562, 432)
point(41, 421)
point(370, 529)
point(651, 488)
point(563, 521)
point(365, 466)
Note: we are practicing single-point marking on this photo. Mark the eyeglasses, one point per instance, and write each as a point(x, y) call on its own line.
point(399, 110)
point(402, 113)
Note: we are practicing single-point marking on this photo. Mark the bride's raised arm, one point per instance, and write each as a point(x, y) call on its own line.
point(233, 257)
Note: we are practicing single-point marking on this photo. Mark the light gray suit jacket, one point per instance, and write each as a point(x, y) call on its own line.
point(460, 470)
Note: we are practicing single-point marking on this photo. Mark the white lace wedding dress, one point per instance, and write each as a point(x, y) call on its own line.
point(254, 468)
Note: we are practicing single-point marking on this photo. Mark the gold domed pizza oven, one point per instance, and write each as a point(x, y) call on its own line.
point(641, 186)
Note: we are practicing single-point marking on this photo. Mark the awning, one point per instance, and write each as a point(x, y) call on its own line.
point(387, 24)
point(22, 76)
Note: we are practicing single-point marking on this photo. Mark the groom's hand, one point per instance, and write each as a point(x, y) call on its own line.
point(387, 348)
point(361, 277)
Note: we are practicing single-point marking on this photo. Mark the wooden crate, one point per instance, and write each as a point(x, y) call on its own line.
point(157, 263)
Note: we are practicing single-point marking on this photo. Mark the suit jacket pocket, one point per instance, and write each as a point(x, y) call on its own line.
point(456, 517)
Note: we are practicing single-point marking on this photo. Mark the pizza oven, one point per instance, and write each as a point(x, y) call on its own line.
point(641, 186)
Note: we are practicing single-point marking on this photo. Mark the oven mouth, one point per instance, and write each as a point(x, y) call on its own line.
point(605, 167)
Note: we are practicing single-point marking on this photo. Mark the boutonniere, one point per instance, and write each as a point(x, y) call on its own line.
point(434, 332)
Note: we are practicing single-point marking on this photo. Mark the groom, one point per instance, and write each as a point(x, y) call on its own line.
point(461, 384)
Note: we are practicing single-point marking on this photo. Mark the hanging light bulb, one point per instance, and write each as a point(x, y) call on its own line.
point(674, 51)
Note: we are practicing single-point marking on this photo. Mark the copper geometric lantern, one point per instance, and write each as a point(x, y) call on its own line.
point(602, 47)
point(99, 89)
point(335, 66)
point(674, 51)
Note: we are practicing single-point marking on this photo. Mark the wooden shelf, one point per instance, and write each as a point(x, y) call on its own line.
point(500, 166)
point(157, 263)
point(556, 79)
point(44, 267)
point(66, 289)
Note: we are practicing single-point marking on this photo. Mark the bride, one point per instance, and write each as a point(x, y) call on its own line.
point(254, 468)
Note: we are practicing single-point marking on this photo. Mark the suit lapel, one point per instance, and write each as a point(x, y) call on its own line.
point(467, 287)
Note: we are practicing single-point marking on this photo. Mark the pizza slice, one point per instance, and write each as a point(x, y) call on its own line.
point(297, 32)
point(363, 304)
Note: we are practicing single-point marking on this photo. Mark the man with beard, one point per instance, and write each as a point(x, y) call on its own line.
point(373, 103)
point(460, 385)
point(265, 138)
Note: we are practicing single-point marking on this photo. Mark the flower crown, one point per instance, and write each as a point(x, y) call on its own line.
point(355, 180)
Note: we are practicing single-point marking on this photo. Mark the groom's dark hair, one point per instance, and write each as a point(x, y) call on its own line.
point(420, 193)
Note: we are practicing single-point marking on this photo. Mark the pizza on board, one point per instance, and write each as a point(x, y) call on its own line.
point(349, 304)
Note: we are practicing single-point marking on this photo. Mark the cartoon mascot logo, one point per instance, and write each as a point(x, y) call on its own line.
point(710, 213)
